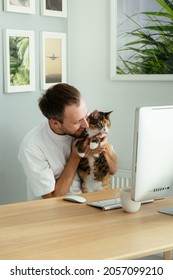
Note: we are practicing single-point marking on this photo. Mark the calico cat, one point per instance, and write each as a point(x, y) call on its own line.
point(94, 171)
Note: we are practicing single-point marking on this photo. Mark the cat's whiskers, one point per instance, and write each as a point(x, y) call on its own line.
point(104, 130)
point(92, 132)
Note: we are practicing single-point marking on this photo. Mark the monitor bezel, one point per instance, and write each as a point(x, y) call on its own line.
point(145, 117)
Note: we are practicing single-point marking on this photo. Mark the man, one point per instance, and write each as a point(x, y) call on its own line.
point(48, 153)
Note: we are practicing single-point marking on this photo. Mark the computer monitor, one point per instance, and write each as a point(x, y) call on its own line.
point(152, 164)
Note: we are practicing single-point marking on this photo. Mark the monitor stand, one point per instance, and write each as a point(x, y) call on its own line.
point(167, 211)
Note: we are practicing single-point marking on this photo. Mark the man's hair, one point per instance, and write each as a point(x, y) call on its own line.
point(52, 104)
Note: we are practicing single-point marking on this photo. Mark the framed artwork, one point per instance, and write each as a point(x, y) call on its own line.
point(53, 59)
point(141, 40)
point(19, 60)
point(54, 8)
point(20, 6)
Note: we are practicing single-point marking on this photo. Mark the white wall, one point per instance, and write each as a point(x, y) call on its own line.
point(88, 70)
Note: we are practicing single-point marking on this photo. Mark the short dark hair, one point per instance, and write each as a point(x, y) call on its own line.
point(52, 103)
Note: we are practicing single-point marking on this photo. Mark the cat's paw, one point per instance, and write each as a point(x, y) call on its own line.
point(93, 145)
point(81, 154)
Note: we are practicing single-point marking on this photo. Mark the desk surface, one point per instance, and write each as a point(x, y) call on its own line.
point(57, 229)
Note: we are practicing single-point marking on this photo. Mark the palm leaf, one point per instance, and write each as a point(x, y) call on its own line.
point(152, 52)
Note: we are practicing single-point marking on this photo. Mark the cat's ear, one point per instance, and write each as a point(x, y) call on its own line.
point(108, 114)
point(95, 114)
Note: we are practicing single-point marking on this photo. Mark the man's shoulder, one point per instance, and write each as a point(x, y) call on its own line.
point(35, 133)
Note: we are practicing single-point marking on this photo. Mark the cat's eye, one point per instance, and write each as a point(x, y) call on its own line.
point(96, 123)
point(100, 125)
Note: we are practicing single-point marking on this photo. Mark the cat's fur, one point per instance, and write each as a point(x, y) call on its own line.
point(94, 171)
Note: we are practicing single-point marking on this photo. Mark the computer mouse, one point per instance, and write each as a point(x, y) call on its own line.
point(74, 198)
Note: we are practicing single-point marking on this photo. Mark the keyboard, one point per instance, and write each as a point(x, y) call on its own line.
point(107, 204)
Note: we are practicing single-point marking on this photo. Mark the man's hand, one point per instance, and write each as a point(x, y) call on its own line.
point(101, 147)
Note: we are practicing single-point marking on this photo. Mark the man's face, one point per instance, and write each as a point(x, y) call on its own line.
point(74, 120)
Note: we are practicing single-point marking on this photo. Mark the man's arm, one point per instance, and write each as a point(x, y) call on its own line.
point(64, 182)
point(111, 159)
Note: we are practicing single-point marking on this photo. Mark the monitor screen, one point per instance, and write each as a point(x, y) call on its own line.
point(152, 164)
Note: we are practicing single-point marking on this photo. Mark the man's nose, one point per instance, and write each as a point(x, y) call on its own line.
point(84, 123)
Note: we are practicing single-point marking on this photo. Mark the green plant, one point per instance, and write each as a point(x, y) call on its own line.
point(24, 2)
point(19, 61)
point(152, 48)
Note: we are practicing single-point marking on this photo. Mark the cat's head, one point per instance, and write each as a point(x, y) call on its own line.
point(99, 122)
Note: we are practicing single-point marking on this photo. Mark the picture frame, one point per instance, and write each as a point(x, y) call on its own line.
point(53, 59)
point(54, 8)
point(137, 37)
point(27, 7)
point(19, 60)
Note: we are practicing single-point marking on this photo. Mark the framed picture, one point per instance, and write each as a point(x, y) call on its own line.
point(54, 8)
point(19, 60)
point(20, 6)
point(141, 40)
point(53, 59)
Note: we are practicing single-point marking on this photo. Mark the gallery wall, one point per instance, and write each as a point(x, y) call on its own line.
point(19, 111)
point(88, 33)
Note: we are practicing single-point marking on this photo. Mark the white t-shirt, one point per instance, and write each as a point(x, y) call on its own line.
point(43, 155)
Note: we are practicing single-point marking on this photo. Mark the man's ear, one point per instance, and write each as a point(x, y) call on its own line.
point(54, 123)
